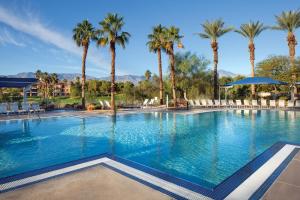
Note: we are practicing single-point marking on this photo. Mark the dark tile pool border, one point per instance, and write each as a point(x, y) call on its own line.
point(219, 192)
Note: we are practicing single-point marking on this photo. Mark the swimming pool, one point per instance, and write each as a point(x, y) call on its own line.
point(202, 148)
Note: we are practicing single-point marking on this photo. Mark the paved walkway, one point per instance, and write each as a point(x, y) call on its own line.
point(94, 183)
point(287, 185)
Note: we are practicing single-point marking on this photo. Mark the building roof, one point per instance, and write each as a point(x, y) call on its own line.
point(256, 81)
point(16, 82)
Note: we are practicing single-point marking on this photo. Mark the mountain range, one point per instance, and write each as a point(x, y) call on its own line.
point(132, 78)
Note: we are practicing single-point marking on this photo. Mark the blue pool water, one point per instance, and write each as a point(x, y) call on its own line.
point(202, 148)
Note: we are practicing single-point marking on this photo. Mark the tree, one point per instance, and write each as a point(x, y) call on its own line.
point(250, 31)
point(83, 33)
point(110, 33)
point(189, 69)
point(53, 81)
point(289, 21)
point(213, 30)
point(147, 75)
point(172, 37)
point(156, 45)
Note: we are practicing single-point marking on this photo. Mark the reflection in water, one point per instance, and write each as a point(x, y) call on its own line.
point(252, 134)
point(112, 136)
point(82, 135)
point(25, 126)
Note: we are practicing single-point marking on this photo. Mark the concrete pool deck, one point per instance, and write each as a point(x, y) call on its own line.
point(287, 185)
point(97, 182)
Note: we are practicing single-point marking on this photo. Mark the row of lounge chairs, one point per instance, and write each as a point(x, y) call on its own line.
point(150, 102)
point(13, 108)
point(208, 103)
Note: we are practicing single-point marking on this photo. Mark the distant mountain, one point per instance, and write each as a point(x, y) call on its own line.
point(72, 76)
point(132, 78)
point(223, 73)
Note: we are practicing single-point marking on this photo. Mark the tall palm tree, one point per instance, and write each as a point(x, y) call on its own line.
point(83, 33)
point(53, 81)
point(213, 30)
point(172, 37)
point(250, 31)
point(110, 33)
point(148, 75)
point(289, 21)
point(156, 45)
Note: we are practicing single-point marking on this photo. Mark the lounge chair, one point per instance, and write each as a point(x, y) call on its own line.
point(281, 103)
point(107, 104)
point(273, 104)
point(204, 103)
point(145, 103)
point(3, 108)
point(13, 108)
point(197, 103)
point(231, 103)
point(264, 104)
point(101, 104)
point(254, 103)
point(247, 103)
point(239, 103)
point(35, 107)
point(291, 104)
point(191, 103)
point(25, 108)
point(297, 104)
point(210, 103)
point(151, 102)
point(217, 103)
point(224, 103)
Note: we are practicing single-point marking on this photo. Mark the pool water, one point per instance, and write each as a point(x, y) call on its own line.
point(202, 148)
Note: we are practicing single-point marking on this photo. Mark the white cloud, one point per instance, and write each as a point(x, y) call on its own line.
point(33, 27)
point(7, 37)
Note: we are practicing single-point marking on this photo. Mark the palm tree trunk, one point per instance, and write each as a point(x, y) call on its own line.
point(85, 50)
point(161, 85)
point(214, 46)
point(292, 44)
point(112, 89)
point(252, 58)
point(172, 63)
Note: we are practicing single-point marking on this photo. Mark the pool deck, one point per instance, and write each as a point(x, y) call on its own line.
point(97, 182)
point(287, 185)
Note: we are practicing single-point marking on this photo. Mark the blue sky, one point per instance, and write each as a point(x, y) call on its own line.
point(38, 34)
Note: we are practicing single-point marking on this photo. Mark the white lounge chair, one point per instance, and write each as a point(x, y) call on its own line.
point(204, 103)
point(151, 102)
point(273, 104)
point(145, 103)
point(224, 103)
point(13, 108)
point(281, 103)
point(239, 103)
point(101, 104)
point(3, 108)
point(231, 103)
point(247, 103)
point(254, 103)
point(197, 103)
point(25, 108)
point(297, 104)
point(191, 103)
point(217, 103)
point(107, 104)
point(35, 107)
point(210, 103)
point(291, 104)
point(263, 103)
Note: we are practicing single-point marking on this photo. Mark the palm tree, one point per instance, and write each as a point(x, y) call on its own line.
point(147, 75)
point(110, 33)
point(53, 80)
point(213, 30)
point(289, 21)
point(83, 33)
point(250, 31)
point(156, 45)
point(172, 37)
